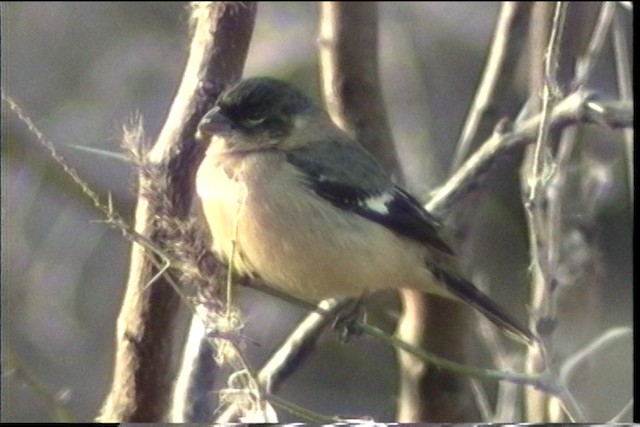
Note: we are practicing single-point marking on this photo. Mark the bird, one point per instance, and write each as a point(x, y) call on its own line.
point(291, 198)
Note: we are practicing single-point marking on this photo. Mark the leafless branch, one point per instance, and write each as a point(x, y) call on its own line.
point(585, 64)
point(578, 107)
point(625, 88)
point(542, 67)
point(628, 407)
point(143, 376)
point(507, 42)
point(600, 343)
point(410, 329)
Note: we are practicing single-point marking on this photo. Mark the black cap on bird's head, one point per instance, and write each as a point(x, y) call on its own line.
point(259, 107)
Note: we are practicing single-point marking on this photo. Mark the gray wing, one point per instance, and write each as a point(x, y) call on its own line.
point(352, 180)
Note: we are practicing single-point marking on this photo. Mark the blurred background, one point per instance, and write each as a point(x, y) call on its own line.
point(82, 70)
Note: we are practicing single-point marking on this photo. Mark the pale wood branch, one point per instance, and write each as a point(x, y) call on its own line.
point(143, 376)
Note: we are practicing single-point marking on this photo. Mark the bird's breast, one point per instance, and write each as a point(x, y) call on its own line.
point(291, 237)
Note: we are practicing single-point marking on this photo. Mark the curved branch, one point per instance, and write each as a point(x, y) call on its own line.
point(143, 375)
point(579, 107)
point(509, 36)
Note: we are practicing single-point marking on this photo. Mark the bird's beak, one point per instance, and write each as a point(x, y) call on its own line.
point(214, 122)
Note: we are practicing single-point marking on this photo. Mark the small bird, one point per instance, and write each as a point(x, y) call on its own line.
point(292, 198)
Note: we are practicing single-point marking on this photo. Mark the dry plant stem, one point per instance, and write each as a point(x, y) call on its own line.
point(107, 209)
point(549, 96)
point(544, 382)
point(625, 88)
point(555, 189)
point(534, 182)
point(143, 376)
point(535, 401)
point(628, 407)
point(410, 329)
point(585, 65)
point(190, 401)
point(600, 343)
point(482, 401)
point(506, 408)
point(575, 108)
point(508, 39)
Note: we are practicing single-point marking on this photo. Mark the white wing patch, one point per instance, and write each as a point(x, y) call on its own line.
point(379, 203)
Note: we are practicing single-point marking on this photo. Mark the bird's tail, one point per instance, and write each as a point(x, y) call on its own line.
point(468, 293)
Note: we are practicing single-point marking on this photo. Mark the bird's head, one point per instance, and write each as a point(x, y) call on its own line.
point(259, 113)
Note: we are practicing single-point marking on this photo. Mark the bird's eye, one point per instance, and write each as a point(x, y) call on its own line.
point(253, 122)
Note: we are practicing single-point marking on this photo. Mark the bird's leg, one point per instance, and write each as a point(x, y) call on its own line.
point(346, 321)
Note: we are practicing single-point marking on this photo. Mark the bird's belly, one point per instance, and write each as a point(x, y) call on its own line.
point(316, 262)
point(298, 242)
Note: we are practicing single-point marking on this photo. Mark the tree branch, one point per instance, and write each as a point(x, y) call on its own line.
point(508, 39)
point(143, 375)
point(349, 63)
point(578, 107)
point(625, 88)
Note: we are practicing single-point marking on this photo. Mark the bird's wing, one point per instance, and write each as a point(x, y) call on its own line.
point(354, 181)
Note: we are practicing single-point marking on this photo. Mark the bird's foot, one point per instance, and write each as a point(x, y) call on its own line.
point(348, 320)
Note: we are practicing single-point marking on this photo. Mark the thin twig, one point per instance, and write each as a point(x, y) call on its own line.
point(570, 110)
point(628, 407)
point(571, 407)
point(498, 72)
point(482, 401)
point(540, 381)
point(585, 64)
point(544, 57)
point(506, 408)
point(598, 344)
point(106, 208)
point(549, 95)
point(625, 88)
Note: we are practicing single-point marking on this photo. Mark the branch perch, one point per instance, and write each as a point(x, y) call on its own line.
point(143, 375)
